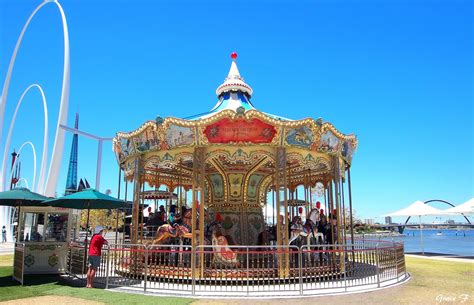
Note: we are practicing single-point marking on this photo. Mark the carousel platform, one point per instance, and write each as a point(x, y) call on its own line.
point(331, 269)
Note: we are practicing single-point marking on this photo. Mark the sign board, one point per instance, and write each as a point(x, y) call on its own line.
point(240, 131)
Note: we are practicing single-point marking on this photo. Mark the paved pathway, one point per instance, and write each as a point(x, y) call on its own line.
point(6, 248)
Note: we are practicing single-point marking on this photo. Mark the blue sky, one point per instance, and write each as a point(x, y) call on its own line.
point(398, 74)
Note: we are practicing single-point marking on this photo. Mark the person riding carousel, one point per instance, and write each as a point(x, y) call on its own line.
point(297, 230)
point(297, 225)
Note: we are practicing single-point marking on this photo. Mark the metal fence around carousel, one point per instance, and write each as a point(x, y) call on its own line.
point(255, 271)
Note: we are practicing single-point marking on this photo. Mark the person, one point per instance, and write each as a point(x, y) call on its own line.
point(95, 251)
point(162, 213)
point(172, 214)
point(36, 236)
point(4, 234)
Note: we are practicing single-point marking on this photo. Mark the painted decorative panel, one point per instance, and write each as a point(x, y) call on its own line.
point(240, 130)
point(347, 150)
point(179, 136)
point(329, 142)
point(128, 148)
point(217, 185)
point(146, 140)
point(254, 181)
point(235, 181)
point(301, 136)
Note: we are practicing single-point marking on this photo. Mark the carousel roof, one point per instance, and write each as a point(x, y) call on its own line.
point(168, 143)
point(234, 93)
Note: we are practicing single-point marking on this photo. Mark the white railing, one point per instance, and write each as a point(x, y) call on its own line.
point(245, 270)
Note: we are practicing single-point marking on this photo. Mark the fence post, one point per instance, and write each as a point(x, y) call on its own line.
point(193, 269)
point(396, 260)
point(345, 267)
point(107, 266)
point(300, 269)
point(248, 273)
point(377, 264)
point(146, 269)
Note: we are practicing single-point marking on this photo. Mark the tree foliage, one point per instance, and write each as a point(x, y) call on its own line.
point(104, 218)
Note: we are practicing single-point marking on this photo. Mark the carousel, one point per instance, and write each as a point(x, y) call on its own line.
point(242, 177)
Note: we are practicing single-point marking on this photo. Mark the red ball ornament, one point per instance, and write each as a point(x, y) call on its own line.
point(218, 217)
point(300, 210)
point(318, 204)
point(233, 55)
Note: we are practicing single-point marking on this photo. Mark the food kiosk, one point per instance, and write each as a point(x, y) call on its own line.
point(42, 239)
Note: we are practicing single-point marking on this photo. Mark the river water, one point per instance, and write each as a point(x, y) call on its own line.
point(449, 241)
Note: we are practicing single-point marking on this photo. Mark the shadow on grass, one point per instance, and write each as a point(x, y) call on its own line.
point(6, 280)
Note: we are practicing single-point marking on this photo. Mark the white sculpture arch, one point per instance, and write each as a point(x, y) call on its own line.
point(34, 161)
point(24, 180)
point(58, 146)
point(44, 158)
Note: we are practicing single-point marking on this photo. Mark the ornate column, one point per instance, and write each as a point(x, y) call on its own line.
point(337, 191)
point(282, 230)
point(198, 193)
point(137, 186)
point(350, 202)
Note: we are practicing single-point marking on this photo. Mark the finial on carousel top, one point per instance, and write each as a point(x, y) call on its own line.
point(233, 81)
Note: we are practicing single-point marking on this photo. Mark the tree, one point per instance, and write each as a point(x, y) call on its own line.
point(105, 218)
point(347, 218)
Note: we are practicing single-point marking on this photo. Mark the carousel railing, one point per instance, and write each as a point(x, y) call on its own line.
point(245, 270)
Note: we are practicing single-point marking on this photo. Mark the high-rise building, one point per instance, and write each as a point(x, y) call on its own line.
point(388, 220)
point(71, 182)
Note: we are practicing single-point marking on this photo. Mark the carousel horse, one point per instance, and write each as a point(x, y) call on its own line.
point(223, 254)
point(297, 232)
point(181, 231)
point(311, 226)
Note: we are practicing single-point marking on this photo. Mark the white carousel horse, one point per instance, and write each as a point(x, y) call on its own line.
point(311, 226)
point(297, 230)
point(223, 254)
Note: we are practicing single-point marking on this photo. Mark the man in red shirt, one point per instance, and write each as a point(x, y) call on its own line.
point(95, 250)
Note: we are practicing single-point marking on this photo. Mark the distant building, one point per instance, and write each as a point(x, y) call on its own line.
point(369, 221)
point(450, 222)
point(71, 182)
point(388, 220)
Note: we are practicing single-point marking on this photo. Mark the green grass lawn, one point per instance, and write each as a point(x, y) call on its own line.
point(430, 279)
point(36, 285)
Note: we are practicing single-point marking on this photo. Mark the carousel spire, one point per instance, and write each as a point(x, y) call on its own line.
point(234, 82)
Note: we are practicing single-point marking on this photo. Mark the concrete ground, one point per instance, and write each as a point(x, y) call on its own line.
point(6, 248)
